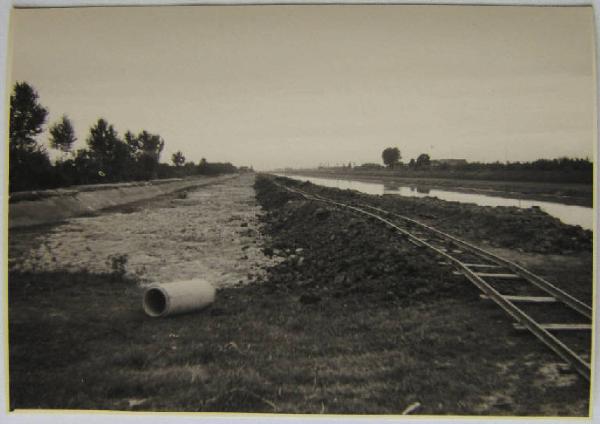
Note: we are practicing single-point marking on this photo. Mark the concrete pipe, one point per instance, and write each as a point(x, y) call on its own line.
point(177, 297)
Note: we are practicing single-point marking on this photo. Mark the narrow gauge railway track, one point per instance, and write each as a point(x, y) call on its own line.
point(534, 303)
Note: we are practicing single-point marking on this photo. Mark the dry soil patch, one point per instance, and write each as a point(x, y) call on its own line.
point(210, 232)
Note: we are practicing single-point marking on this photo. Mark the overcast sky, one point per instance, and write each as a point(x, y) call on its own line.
point(275, 86)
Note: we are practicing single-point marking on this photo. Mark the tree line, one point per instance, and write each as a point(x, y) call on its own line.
point(106, 158)
point(391, 158)
point(558, 170)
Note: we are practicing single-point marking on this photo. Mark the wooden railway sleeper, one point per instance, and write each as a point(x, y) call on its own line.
point(536, 280)
point(582, 367)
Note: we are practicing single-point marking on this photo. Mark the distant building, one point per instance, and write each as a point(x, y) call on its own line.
point(368, 166)
point(448, 162)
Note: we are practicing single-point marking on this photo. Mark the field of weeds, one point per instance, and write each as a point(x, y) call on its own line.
point(352, 320)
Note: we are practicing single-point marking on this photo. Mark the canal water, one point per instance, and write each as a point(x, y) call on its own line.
point(569, 214)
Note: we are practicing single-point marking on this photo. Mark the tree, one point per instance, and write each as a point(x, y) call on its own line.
point(86, 166)
point(30, 170)
point(202, 166)
point(112, 155)
point(146, 149)
point(391, 156)
point(27, 117)
point(150, 145)
point(62, 135)
point(178, 159)
point(423, 160)
point(29, 166)
point(132, 142)
point(103, 139)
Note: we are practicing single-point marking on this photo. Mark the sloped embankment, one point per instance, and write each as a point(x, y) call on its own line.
point(48, 206)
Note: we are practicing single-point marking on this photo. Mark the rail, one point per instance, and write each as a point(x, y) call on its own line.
point(483, 280)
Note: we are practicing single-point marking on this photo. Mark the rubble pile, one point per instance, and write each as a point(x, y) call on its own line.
point(330, 252)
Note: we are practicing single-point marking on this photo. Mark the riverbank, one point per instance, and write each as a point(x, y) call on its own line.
point(566, 193)
point(344, 318)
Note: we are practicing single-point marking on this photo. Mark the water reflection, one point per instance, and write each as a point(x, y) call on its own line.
point(569, 214)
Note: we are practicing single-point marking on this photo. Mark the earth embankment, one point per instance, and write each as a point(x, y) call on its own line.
point(48, 206)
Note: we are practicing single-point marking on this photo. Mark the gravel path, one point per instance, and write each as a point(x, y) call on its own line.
point(212, 233)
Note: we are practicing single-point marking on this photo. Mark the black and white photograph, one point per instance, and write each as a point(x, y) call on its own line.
point(324, 210)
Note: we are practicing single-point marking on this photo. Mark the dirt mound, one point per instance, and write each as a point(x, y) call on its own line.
point(530, 230)
point(330, 252)
point(268, 194)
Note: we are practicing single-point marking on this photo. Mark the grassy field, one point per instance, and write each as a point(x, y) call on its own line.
point(81, 341)
point(398, 330)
